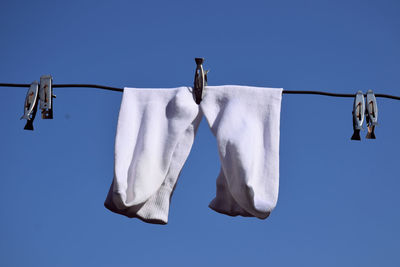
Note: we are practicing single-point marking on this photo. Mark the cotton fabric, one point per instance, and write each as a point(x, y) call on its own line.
point(245, 120)
point(155, 132)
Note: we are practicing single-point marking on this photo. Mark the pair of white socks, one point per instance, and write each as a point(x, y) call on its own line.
point(155, 132)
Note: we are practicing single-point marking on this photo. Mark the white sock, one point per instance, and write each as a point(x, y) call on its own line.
point(155, 132)
point(245, 121)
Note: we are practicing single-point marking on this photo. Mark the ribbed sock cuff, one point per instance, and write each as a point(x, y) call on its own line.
point(155, 210)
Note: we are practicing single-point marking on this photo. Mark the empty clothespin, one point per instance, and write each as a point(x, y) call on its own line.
point(46, 96)
point(30, 105)
point(371, 114)
point(358, 115)
point(200, 80)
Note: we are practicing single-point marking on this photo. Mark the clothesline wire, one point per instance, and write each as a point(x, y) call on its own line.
point(121, 90)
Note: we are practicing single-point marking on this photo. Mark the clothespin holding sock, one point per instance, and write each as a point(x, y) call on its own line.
point(200, 80)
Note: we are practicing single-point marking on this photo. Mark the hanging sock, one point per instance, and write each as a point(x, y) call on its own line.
point(245, 120)
point(155, 132)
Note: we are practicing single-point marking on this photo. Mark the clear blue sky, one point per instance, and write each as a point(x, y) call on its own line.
point(339, 199)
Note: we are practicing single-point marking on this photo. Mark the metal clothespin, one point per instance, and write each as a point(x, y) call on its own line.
point(371, 114)
point(30, 105)
point(200, 80)
point(358, 115)
point(46, 96)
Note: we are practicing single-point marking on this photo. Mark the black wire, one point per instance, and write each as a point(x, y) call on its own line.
point(317, 93)
point(388, 96)
point(66, 86)
point(121, 90)
point(14, 85)
point(335, 94)
point(88, 85)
